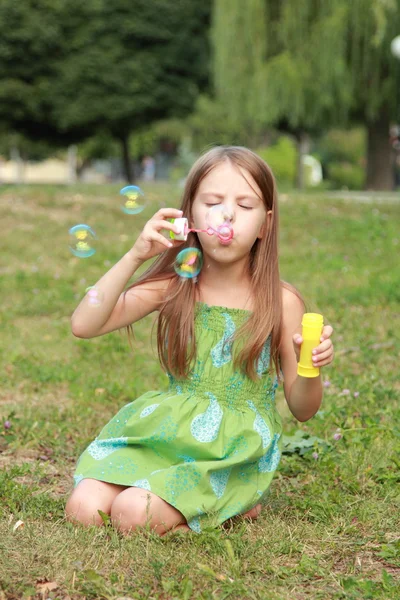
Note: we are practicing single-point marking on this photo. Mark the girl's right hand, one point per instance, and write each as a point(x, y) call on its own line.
point(151, 242)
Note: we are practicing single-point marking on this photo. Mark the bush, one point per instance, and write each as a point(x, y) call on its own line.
point(339, 145)
point(282, 158)
point(346, 175)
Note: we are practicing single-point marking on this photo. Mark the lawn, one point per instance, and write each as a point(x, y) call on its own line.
point(330, 527)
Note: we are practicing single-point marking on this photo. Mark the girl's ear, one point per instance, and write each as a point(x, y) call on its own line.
point(265, 225)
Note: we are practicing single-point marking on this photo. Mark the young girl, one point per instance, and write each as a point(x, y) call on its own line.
point(206, 448)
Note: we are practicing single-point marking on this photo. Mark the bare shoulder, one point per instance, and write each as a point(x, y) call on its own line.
point(292, 304)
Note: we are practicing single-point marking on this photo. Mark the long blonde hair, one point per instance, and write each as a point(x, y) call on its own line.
point(176, 314)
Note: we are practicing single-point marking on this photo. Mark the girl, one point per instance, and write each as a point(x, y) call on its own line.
point(206, 448)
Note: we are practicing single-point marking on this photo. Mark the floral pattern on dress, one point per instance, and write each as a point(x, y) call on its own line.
point(221, 354)
point(219, 480)
point(100, 449)
point(205, 426)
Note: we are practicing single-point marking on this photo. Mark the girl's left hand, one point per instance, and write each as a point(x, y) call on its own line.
point(322, 354)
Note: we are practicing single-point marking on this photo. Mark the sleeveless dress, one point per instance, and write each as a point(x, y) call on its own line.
point(208, 445)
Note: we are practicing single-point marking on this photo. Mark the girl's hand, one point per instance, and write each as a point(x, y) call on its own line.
point(151, 242)
point(322, 354)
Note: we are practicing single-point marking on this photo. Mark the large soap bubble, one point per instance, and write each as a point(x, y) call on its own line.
point(218, 220)
point(188, 262)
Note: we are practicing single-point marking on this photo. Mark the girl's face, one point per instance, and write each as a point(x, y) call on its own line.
point(226, 184)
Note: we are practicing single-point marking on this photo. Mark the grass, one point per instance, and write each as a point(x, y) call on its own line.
point(330, 526)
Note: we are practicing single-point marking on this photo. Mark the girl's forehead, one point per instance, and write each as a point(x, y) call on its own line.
point(225, 177)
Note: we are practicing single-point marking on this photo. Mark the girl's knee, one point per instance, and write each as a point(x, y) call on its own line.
point(83, 510)
point(126, 515)
point(137, 507)
point(88, 498)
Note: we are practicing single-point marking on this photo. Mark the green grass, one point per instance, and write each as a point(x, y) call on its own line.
point(330, 526)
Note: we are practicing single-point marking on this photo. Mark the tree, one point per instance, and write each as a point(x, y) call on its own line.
point(31, 46)
point(306, 66)
point(375, 75)
point(116, 66)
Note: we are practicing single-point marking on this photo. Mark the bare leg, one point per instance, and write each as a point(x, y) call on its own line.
point(88, 498)
point(136, 507)
point(253, 513)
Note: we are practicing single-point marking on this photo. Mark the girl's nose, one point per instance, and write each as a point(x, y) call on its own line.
point(230, 214)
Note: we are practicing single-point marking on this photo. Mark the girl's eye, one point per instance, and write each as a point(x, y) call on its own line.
point(246, 207)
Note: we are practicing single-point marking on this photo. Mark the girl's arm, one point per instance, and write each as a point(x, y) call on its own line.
point(117, 309)
point(303, 395)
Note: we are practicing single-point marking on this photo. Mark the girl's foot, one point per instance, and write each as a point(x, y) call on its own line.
point(253, 513)
point(182, 527)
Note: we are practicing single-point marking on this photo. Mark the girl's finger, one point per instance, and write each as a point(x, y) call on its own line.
point(157, 237)
point(326, 332)
point(323, 346)
point(168, 212)
point(158, 225)
point(318, 358)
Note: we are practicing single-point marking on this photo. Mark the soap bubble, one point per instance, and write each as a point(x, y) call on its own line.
point(95, 296)
point(188, 262)
point(133, 200)
point(218, 220)
point(81, 240)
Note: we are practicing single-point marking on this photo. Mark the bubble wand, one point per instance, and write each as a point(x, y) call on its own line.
point(224, 232)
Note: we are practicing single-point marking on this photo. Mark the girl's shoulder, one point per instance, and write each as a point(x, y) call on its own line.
point(291, 297)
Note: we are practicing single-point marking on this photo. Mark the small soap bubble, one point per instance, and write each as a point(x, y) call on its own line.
point(82, 240)
point(188, 262)
point(218, 219)
point(95, 296)
point(133, 200)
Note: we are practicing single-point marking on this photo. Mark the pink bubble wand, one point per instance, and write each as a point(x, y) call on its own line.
point(224, 232)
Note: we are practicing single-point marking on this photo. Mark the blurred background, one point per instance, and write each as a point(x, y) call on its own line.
point(132, 90)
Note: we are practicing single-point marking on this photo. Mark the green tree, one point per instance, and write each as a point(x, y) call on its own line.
point(73, 68)
point(307, 66)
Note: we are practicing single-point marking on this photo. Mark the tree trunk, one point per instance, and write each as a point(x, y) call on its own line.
point(126, 162)
point(303, 147)
point(379, 174)
point(19, 164)
point(72, 164)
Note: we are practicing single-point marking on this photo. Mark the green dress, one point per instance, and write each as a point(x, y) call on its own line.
point(208, 445)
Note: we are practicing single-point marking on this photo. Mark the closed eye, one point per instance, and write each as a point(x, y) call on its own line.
point(246, 207)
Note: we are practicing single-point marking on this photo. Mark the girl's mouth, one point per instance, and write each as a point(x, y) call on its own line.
point(225, 242)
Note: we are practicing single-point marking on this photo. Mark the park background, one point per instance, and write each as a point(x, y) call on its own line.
point(88, 93)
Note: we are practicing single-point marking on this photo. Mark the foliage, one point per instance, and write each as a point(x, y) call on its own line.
point(346, 175)
point(343, 155)
point(282, 158)
point(342, 145)
point(70, 69)
point(307, 65)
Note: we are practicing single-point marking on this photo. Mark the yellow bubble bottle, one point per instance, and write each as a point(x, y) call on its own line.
point(312, 325)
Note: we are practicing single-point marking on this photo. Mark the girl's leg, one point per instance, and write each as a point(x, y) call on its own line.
point(88, 497)
point(135, 507)
point(253, 513)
